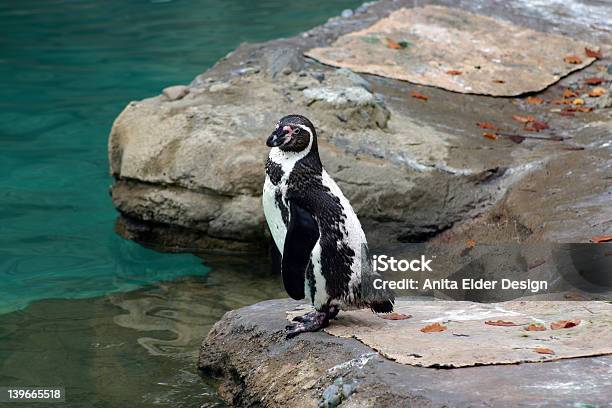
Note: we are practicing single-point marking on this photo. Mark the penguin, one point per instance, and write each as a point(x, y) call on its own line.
point(319, 243)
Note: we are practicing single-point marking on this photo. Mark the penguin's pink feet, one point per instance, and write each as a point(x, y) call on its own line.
point(311, 322)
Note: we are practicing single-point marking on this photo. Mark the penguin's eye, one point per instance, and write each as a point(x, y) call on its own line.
point(296, 131)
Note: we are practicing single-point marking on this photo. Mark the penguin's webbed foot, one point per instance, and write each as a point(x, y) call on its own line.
point(310, 322)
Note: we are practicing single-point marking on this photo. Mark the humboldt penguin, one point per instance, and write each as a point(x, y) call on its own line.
point(319, 244)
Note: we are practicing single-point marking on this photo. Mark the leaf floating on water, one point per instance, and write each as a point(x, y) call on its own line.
point(534, 100)
point(393, 45)
point(420, 96)
point(593, 80)
point(523, 119)
point(501, 323)
point(535, 327)
point(592, 53)
point(543, 350)
point(433, 328)
point(491, 136)
point(573, 59)
point(601, 238)
point(395, 316)
point(596, 92)
point(564, 324)
point(486, 125)
point(454, 72)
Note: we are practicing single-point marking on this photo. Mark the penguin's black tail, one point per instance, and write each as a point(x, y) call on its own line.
point(382, 306)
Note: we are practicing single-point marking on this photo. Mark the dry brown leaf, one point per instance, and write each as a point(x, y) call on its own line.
point(592, 53)
point(577, 109)
point(499, 81)
point(535, 264)
point(392, 44)
point(454, 72)
point(543, 350)
point(596, 92)
point(470, 243)
point(491, 136)
point(564, 324)
point(486, 125)
point(536, 126)
point(568, 93)
point(518, 139)
point(523, 119)
point(534, 100)
point(578, 101)
point(601, 238)
point(501, 323)
point(395, 316)
point(575, 296)
point(561, 101)
point(433, 328)
point(417, 95)
point(573, 59)
point(535, 327)
point(593, 80)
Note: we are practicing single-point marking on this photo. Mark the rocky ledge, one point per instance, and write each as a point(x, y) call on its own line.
point(255, 366)
point(188, 164)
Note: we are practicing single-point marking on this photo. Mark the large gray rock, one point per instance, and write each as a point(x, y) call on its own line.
point(189, 167)
point(255, 366)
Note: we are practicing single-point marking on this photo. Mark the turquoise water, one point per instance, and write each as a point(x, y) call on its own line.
point(67, 68)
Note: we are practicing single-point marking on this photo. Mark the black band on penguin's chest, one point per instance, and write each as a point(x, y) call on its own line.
point(274, 171)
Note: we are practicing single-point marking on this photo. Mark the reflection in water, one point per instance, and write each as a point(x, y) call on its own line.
point(137, 348)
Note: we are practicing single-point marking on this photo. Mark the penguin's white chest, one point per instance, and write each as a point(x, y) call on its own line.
point(273, 212)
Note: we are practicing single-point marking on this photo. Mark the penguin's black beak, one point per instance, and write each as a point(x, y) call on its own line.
point(277, 138)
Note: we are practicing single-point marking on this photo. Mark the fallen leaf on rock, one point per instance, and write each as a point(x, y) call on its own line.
point(568, 93)
point(392, 44)
point(536, 264)
point(543, 350)
point(561, 101)
point(469, 245)
point(573, 59)
point(534, 100)
point(517, 138)
point(523, 119)
point(535, 327)
point(601, 238)
point(536, 126)
point(486, 125)
point(501, 323)
point(592, 53)
point(434, 327)
point(394, 316)
point(593, 80)
point(499, 81)
point(575, 296)
point(578, 101)
point(595, 92)
point(418, 96)
point(454, 72)
point(577, 109)
point(564, 324)
point(491, 136)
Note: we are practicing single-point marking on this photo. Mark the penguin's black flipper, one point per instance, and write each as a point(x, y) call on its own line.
point(302, 235)
point(276, 257)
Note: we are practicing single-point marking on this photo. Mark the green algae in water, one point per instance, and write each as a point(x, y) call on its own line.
point(66, 71)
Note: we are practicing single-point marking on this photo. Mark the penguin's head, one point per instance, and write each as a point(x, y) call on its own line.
point(293, 133)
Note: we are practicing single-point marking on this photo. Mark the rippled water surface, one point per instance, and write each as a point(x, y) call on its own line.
point(67, 68)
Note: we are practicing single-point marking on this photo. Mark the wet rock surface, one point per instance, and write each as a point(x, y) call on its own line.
point(189, 164)
point(317, 369)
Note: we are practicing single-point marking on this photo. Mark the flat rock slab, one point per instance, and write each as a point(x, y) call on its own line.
point(457, 50)
point(467, 340)
point(247, 354)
